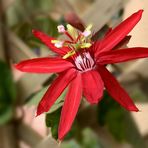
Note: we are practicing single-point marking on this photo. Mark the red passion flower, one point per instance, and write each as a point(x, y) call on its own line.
point(81, 66)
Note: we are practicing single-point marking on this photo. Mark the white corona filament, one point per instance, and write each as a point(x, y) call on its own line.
point(85, 62)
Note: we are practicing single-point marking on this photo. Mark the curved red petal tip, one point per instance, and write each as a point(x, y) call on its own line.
point(36, 115)
point(34, 32)
point(133, 108)
point(139, 12)
point(38, 112)
point(17, 66)
point(61, 137)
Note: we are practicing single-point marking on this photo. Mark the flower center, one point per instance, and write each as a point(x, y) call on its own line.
point(84, 62)
point(77, 40)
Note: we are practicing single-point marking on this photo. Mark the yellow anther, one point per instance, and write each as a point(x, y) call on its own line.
point(85, 45)
point(55, 41)
point(89, 27)
point(72, 31)
point(69, 54)
point(70, 28)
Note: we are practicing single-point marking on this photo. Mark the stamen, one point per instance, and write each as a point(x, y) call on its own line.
point(72, 31)
point(89, 27)
point(69, 35)
point(85, 45)
point(78, 40)
point(69, 54)
point(79, 36)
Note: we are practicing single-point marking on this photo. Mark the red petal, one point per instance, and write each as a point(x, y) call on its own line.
point(115, 90)
point(117, 34)
point(44, 65)
point(92, 86)
point(122, 55)
point(55, 90)
point(70, 107)
point(47, 41)
point(74, 20)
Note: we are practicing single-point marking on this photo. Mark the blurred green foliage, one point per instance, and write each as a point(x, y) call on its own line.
point(22, 10)
point(111, 114)
point(7, 93)
point(23, 16)
point(52, 120)
point(44, 24)
point(89, 140)
point(119, 122)
point(84, 138)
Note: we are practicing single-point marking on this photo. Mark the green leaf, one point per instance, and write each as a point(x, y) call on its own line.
point(52, 120)
point(7, 87)
point(7, 93)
